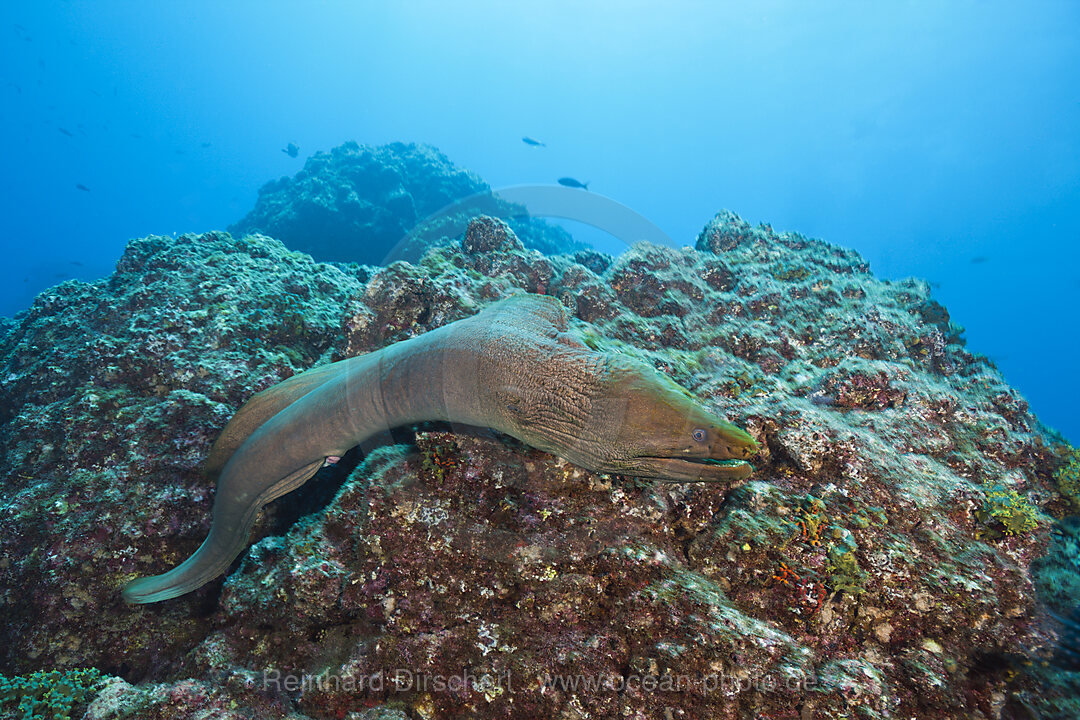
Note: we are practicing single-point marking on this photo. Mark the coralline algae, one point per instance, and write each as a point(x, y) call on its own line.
point(879, 555)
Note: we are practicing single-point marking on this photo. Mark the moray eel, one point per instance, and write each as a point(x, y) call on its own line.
point(513, 367)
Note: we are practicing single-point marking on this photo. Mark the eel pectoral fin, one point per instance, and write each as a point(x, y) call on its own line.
point(260, 408)
point(229, 534)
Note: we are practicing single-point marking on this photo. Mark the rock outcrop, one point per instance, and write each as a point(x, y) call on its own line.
point(878, 564)
point(368, 205)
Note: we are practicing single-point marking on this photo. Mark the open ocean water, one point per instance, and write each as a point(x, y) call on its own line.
point(940, 140)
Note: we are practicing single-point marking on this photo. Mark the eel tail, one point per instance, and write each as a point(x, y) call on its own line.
point(229, 534)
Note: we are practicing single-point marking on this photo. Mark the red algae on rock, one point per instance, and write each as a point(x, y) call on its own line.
point(863, 571)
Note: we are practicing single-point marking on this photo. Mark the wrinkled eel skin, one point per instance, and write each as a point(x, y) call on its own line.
point(512, 367)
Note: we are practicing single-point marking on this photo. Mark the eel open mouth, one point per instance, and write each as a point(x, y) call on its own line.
point(693, 469)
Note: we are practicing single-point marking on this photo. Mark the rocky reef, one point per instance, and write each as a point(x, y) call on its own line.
point(895, 554)
point(363, 204)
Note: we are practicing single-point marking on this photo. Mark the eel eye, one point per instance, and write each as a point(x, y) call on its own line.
point(699, 435)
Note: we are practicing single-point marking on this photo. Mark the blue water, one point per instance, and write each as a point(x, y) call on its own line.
point(939, 139)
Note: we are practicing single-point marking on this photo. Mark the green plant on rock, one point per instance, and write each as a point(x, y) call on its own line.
point(1067, 476)
point(845, 575)
point(48, 694)
point(812, 520)
point(789, 273)
point(739, 384)
point(1005, 511)
point(440, 459)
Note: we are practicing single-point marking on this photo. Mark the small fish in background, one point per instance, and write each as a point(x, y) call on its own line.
point(572, 183)
point(205, 145)
point(65, 131)
point(979, 260)
point(80, 186)
point(76, 263)
point(137, 136)
point(292, 150)
point(532, 141)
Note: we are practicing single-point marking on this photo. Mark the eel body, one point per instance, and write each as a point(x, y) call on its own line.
point(512, 367)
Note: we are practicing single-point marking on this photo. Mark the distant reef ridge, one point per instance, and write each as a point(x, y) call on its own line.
point(896, 554)
point(367, 204)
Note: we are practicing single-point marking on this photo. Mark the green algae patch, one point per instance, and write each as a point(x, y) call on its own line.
point(1067, 477)
point(845, 575)
point(786, 272)
point(1005, 511)
point(439, 458)
point(50, 694)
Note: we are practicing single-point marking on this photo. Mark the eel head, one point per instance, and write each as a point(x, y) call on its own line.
point(658, 430)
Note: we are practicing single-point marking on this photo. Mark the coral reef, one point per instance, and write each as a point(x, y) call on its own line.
point(867, 569)
point(362, 204)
